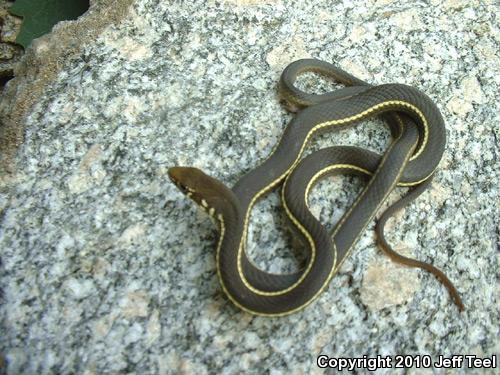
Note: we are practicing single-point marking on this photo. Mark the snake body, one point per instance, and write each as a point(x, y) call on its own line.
point(411, 159)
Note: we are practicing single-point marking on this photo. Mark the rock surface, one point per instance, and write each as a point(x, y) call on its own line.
point(106, 267)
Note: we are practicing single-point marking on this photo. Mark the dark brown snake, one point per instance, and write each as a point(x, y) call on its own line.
point(411, 160)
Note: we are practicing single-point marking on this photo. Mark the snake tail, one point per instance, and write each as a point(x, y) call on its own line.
point(387, 249)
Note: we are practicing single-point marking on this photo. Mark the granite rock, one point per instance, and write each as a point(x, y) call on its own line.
point(106, 267)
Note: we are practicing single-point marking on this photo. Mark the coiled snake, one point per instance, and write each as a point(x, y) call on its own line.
point(410, 160)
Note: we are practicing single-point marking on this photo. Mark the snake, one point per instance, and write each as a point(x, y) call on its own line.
point(419, 139)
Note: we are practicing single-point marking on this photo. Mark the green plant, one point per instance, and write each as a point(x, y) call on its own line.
point(39, 16)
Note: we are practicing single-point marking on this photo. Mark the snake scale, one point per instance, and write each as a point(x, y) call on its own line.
point(419, 138)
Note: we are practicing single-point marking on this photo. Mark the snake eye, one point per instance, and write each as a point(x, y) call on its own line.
point(182, 187)
point(179, 185)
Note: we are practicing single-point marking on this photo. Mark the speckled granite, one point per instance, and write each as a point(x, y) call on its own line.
point(106, 267)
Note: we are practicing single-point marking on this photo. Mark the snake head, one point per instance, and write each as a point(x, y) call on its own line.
point(210, 194)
